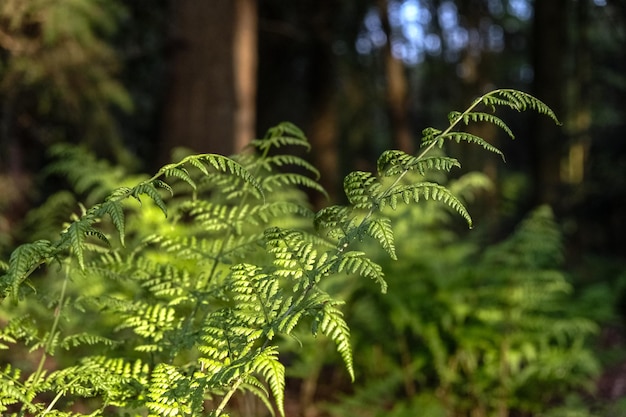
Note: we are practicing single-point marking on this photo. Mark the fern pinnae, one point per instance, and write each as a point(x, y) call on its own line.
point(469, 138)
point(380, 229)
point(488, 118)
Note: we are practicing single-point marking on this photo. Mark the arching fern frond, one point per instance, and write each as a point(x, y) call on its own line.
point(284, 134)
point(380, 229)
point(466, 137)
point(394, 162)
point(361, 188)
point(329, 320)
point(517, 100)
point(473, 116)
point(272, 182)
point(427, 191)
point(23, 261)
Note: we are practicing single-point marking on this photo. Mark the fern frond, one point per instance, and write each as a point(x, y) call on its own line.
point(182, 174)
point(468, 137)
point(114, 209)
point(335, 220)
point(488, 118)
point(294, 256)
point(393, 162)
point(361, 188)
point(169, 392)
point(428, 191)
point(267, 364)
point(380, 229)
point(271, 182)
point(330, 321)
point(284, 134)
point(518, 100)
point(81, 339)
point(281, 160)
point(23, 260)
point(356, 262)
point(149, 189)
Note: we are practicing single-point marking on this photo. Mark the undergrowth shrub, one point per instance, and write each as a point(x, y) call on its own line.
point(168, 295)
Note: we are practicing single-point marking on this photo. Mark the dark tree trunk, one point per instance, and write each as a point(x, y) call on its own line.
point(396, 89)
point(210, 102)
point(546, 146)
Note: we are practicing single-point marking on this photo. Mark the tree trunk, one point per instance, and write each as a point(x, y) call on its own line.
point(549, 39)
point(396, 89)
point(211, 99)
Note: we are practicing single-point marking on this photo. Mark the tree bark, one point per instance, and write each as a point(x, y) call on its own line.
point(549, 36)
point(210, 105)
point(397, 88)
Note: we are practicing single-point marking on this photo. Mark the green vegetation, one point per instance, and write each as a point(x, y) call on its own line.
point(171, 295)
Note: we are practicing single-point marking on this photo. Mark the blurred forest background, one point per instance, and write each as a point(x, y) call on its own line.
point(134, 80)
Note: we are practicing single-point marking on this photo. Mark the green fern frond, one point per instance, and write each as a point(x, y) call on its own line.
point(518, 100)
point(329, 320)
point(169, 390)
point(335, 220)
point(380, 229)
point(151, 321)
point(468, 137)
point(282, 160)
point(114, 209)
point(81, 339)
point(395, 162)
point(488, 118)
point(361, 188)
point(23, 260)
point(294, 256)
point(284, 134)
point(275, 210)
point(182, 174)
point(267, 364)
point(150, 190)
point(428, 191)
point(356, 262)
point(271, 182)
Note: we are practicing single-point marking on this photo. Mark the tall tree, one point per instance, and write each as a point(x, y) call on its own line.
point(210, 103)
point(549, 36)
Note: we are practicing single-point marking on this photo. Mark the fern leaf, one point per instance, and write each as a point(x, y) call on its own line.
point(361, 189)
point(150, 190)
point(273, 371)
point(76, 233)
point(428, 191)
point(334, 219)
point(356, 262)
point(518, 100)
point(489, 118)
point(116, 212)
point(381, 231)
point(225, 164)
point(284, 134)
point(281, 160)
point(271, 182)
point(393, 162)
point(182, 174)
point(331, 322)
point(23, 260)
point(81, 339)
point(468, 137)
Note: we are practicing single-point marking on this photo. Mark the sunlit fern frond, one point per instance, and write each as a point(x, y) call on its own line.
point(394, 162)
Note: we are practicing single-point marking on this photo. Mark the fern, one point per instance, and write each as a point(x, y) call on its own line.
point(220, 261)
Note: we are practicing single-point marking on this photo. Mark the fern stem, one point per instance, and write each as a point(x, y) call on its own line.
point(56, 399)
point(48, 344)
point(227, 397)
